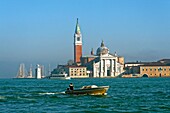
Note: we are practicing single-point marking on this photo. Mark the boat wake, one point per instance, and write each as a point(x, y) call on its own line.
point(51, 93)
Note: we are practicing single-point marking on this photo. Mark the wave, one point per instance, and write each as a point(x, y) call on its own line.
point(2, 97)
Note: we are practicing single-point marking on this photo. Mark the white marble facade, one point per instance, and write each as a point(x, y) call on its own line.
point(106, 64)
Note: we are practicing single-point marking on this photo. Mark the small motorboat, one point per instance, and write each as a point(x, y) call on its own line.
point(89, 90)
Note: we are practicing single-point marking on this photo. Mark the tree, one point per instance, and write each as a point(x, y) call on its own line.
point(70, 62)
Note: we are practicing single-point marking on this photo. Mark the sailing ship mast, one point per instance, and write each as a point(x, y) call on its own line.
point(49, 70)
point(21, 71)
point(30, 72)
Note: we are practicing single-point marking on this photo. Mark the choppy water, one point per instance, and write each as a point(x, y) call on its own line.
point(147, 95)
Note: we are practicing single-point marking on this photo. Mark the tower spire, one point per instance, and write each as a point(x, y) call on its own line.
point(77, 30)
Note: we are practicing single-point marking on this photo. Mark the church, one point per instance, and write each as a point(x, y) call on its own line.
point(103, 64)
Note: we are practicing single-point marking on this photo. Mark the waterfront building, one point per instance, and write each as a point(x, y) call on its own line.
point(77, 71)
point(132, 69)
point(160, 68)
point(156, 69)
point(103, 64)
point(73, 71)
point(132, 64)
point(77, 44)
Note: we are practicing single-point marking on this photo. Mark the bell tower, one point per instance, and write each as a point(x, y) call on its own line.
point(77, 44)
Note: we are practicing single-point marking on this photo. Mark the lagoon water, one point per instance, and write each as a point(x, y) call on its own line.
point(145, 95)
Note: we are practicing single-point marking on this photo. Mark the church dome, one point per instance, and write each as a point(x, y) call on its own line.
point(102, 49)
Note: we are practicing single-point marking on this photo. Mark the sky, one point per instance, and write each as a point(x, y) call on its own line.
point(41, 31)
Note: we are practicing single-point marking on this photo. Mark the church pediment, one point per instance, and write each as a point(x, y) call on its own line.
point(108, 56)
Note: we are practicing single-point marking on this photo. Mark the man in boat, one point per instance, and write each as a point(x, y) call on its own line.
point(71, 86)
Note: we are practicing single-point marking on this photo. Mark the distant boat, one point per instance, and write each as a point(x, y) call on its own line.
point(89, 90)
point(63, 76)
point(30, 73)
point(21, 72)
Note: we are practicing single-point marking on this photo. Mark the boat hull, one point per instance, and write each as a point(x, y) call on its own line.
point(59, 76)
point(62, 78)
point(89, 91)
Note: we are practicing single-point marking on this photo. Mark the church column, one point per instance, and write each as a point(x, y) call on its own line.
point(114, 67)
point(111, 68)
point(94, 70)
point(115, 64)
point(101, 68)
point(105, 69)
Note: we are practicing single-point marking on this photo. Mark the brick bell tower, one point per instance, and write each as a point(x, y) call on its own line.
point(77, 44)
